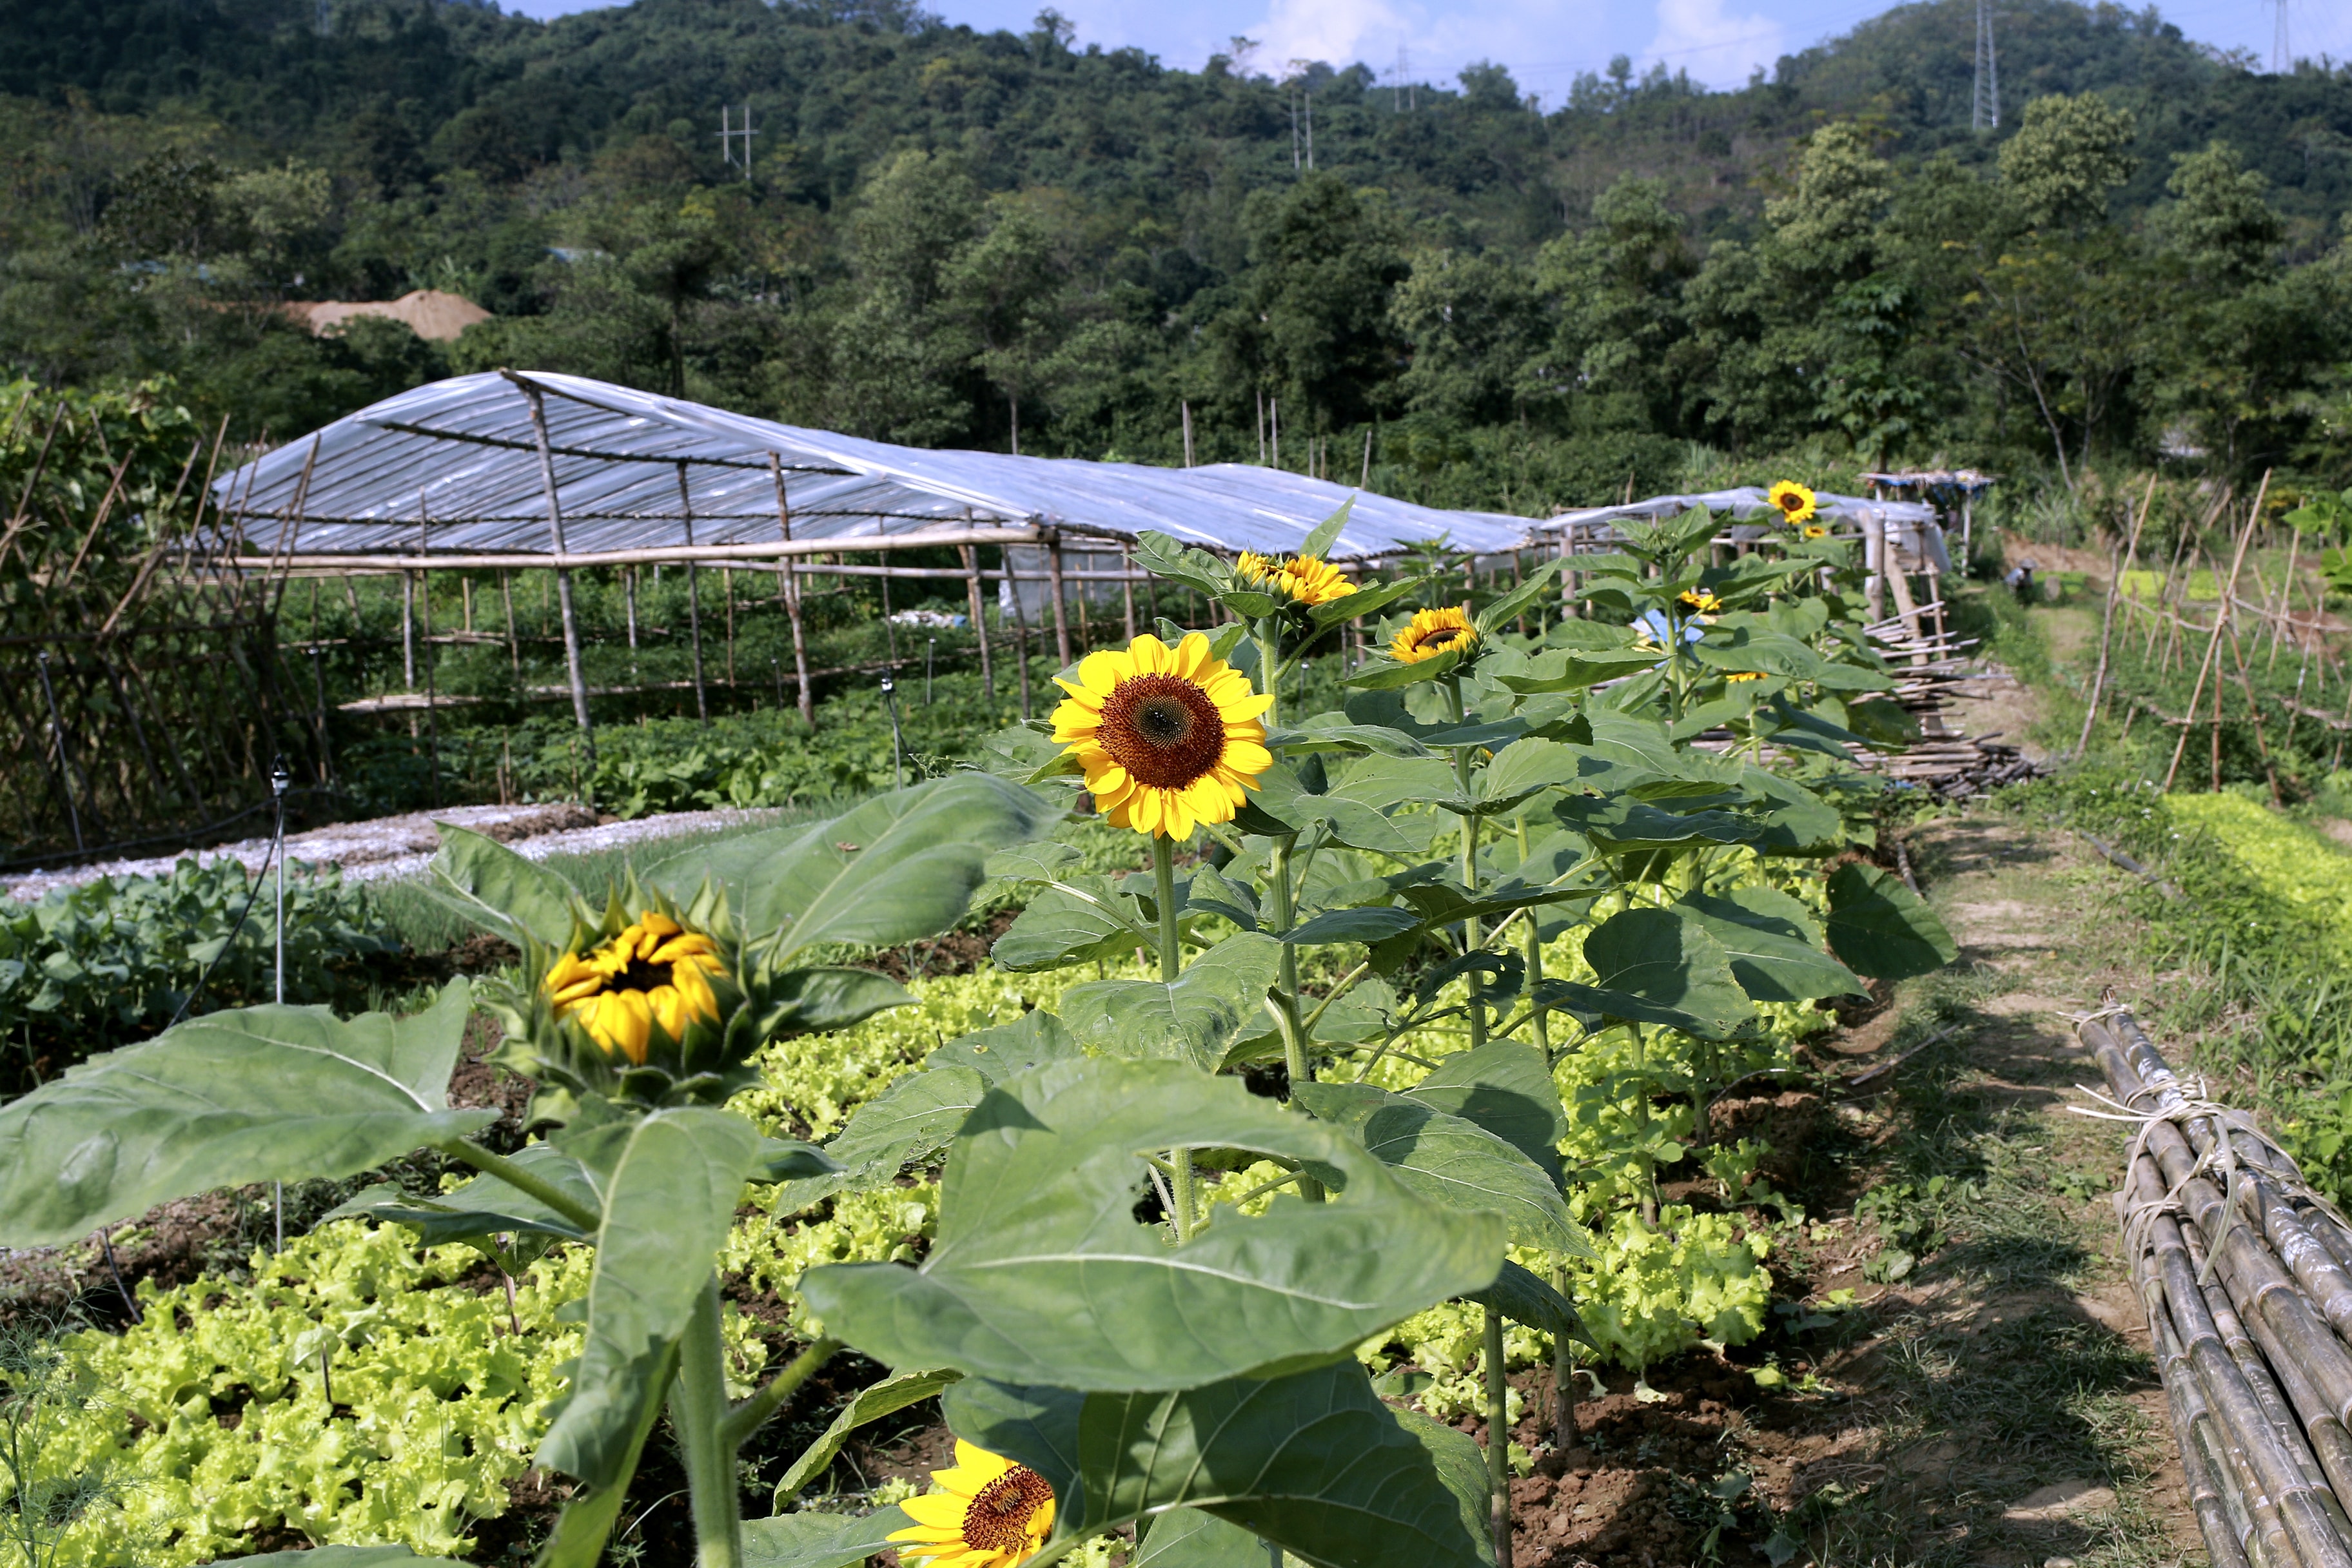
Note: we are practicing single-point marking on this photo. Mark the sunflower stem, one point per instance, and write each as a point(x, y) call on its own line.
point(523, 1180)
point(748, 1417)
point(1172, 965)
point(1280, 880)
point(1537, 1011)
point(1163, 884)
point(1470, 937)
point(1269, 666)
point(1498, 1440)
point(699, 1410)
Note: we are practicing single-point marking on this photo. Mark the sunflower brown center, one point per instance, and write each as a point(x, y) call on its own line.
point(1444, 636)
point(1163, 728)
point(1793, 503)
point(640, 975)
point(997, 1520)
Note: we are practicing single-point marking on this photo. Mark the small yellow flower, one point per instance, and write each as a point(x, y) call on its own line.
point(1169, 737)
point(1795, 502)
point(1258, 571)
point(992, 1513)
point(1699, 602)
point(1815, 531)
point(655, 972)
point(1744, 675)
point(1431, 633)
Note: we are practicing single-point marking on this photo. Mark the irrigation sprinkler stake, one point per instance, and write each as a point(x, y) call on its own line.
point(281, 777)
point(898, 745)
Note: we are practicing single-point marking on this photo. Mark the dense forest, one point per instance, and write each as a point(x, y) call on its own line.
point(949, 238)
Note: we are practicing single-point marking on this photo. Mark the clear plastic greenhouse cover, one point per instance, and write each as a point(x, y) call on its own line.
point(454, 469)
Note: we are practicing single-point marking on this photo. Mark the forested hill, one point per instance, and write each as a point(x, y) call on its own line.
point(957, 237)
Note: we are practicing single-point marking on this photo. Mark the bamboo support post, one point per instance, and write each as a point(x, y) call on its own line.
point(693, 599)
point(979, 620)
point(2107, 619)
point(788, 586)
point(1061, 619)
point(1126, 565)
point(2213, 645)
point(563, 580)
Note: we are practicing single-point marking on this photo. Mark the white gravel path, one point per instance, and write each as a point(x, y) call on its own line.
point(394, 846)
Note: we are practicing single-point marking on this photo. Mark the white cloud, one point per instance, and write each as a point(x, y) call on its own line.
point(1340, 31)
point(1717, 47)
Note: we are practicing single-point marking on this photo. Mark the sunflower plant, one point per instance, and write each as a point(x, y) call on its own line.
point(1148, 1283)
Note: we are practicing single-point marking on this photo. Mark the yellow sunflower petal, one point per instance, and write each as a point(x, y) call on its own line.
point(1148, 655)
point(1191, 655)
point(939, 1510)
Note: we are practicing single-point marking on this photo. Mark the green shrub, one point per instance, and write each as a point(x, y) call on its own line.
point(92, 967)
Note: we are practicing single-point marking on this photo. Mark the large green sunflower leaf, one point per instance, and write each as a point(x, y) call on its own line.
point(1187, 1538)
point(1772, 955)
point(1040, 1268)
point(1194, 1018)
point(1085, 920)
point(488, 883)
point(869, 1403)
point(1659, 966)
point(901, 866)
point(671, 1202)
point(1879, 926)
point(1450, 1161)
point(820, 1540)
point(1506, 1088)
point(1313, 1461)
point(911, 1119)
point(252, 1094)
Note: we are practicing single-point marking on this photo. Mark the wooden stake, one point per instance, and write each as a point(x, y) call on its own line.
point(2212, 647)
point(1061, 619)
point(564, 583)
point(1127, 589)
point(2107, 621)
point(979, 620)
point(788, 585)
point(693, 599)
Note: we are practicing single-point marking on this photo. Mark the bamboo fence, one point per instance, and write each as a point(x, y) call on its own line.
point(2245, 1274)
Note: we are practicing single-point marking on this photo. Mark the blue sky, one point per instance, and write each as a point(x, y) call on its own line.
point(1544, 42)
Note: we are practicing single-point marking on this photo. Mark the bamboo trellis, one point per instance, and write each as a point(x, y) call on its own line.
point(137, 707)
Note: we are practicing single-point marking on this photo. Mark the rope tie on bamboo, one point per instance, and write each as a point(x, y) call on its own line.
point(2180, 1108)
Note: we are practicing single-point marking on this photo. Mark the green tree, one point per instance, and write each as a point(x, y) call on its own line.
point(1314, 327)
point(2066, 161)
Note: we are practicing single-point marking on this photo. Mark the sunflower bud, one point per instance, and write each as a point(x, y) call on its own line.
point(656, 1007)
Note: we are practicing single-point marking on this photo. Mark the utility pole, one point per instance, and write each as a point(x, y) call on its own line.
point(730, 134)
point(1986, 113)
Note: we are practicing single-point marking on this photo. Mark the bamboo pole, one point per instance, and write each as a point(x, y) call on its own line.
point(1061, 617)
point(1126, 582)
point(693, 599)
point(2107, 620)
point(979, 620)
point(787, 584)
point(2213, 643)
point(562, 584)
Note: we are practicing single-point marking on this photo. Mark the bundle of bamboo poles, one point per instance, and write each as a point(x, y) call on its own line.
point(2246, 1275)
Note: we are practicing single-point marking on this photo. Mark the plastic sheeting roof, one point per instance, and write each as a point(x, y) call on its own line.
point(454, 468)
point(1749, 498)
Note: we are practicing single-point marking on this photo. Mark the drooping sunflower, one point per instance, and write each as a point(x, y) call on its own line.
point(992, 1514)
point(1744, 675)
point(1303, 579)
point(1795, 502)
point(654, 974)
point(1168, 737)
point(1433, 632)
point(1698, 601)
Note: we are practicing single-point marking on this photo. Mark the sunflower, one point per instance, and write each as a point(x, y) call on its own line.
point(1744, 675)
point(1698, 601)
point(1431, 633)
point(1168, 737)
point(991, 1514)
point(1303, 580)
point(654, 972)
point(1795, 502)
point(1814, 530)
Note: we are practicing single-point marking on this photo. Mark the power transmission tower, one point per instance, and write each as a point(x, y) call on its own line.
point(2281, 52)
point(1986, 114)
point(730, 134)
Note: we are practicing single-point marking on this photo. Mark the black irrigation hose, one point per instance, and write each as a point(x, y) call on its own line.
point(260, 878)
